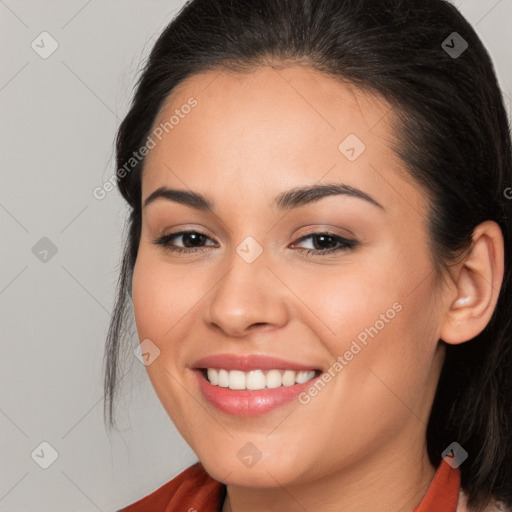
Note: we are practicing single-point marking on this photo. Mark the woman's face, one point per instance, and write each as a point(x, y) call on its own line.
point(262, 278)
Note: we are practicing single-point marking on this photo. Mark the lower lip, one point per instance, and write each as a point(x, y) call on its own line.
point(250, 402)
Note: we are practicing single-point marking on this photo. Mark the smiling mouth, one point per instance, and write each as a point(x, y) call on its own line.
point(254, 380)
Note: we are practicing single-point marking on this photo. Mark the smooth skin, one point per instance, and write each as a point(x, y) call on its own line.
point(360, 443)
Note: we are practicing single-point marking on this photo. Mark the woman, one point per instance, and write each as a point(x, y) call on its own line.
point(318, 257)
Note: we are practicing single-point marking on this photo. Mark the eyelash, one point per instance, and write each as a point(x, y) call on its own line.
point(345, 243)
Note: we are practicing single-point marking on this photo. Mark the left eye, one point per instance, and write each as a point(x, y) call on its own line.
point(322, 243)
point(325, 243)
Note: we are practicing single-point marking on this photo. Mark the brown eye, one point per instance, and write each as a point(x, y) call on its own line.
point(191, 240)
point(326, 243)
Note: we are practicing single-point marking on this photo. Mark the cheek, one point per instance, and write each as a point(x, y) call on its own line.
point(148, 296)
point(347, 300)
point(378, 318)
point(161, 296)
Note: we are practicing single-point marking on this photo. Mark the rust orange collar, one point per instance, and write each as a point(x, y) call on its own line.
point(194, 489)
point(443, 492)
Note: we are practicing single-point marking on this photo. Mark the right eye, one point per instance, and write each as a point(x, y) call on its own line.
point(191, 241)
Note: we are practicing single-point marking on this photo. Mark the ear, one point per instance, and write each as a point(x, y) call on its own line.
point(477, 283)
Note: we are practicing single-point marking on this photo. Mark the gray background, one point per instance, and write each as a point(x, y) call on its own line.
point(59, 117)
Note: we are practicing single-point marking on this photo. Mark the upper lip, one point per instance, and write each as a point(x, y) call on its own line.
point(247, 362)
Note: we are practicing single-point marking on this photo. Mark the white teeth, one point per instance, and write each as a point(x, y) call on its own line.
point(274, 379)
point(236, 379)
point(304, 377)
point(257, 379)
point(223, 378)
point(213, 376)
point(288, 378)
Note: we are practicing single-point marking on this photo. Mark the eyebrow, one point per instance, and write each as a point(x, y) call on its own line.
point(293, 198)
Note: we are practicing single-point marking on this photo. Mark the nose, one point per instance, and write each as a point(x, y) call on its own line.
point(248, 297)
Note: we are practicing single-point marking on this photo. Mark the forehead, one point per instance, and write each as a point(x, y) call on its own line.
point(268, 93)
point(272, 129)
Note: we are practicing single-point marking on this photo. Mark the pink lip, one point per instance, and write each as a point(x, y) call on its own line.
point(246, 402)
point(246, 363)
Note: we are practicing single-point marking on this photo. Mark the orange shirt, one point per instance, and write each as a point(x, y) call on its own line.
point(193, 490)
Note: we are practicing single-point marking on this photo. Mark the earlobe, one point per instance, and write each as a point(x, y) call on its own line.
point(477, 285)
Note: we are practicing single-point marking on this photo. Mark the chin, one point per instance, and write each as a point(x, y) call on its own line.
point(263, 473)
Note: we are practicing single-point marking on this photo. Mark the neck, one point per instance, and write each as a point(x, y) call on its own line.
point(389, 481)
